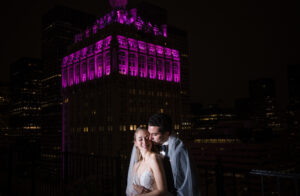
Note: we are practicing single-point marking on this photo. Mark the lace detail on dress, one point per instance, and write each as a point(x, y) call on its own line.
point(146, 179)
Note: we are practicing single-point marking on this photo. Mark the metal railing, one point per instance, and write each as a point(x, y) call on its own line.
point(81, 174)
point(279, 176)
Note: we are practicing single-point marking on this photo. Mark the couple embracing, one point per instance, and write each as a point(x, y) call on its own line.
point(160, 163)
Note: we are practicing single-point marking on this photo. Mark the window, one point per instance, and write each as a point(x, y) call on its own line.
point(83, 71)
point(71, 75)
point(76, 73)
point(107, 63)
point(99, 65)
point(98, 46)
point(64, 77)
point(176, 71)
point(107, 42)
point(160, 69)
point(132, 44)
point(151, 67)
point(142, 46)
point(91, 68)
point(132, 62)
point(143, 66)
point(168, 67)
point(122, 41)
point(123, 63)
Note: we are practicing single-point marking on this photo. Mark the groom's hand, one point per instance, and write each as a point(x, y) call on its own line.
point(140, 189)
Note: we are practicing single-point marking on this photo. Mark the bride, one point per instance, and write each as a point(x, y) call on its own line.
point(145, 169)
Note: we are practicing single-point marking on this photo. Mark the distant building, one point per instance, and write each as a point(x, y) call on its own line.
point(243, 108)
point(4, 108)
point(25, 93)
point(59, 25)
point(294, 98)
point(225, 155)
point(224, 163)
point(207, 119)
point(263, 101)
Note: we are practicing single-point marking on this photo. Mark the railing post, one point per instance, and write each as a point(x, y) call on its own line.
point(65, 172)
point(296, 186)
point(206, 181)
point(234, 182)
point(118, 175)
point(33, 165)
point(219, 179)
point(10, 169)
point(262, 185)
point(278, 185)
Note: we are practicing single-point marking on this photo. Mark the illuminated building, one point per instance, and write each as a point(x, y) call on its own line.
point(25, 97)
point(118, 73)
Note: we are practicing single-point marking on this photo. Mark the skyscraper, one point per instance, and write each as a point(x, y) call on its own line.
point(119, 72)
point(4, 108)
point(25, 98)
point(294, 97)
point(59, 25)
point(262, 95)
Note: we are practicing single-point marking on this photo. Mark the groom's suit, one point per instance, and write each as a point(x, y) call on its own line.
point(169, 174)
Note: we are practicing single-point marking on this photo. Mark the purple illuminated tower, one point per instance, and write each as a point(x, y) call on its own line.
point(117, 73)
point(118, 3)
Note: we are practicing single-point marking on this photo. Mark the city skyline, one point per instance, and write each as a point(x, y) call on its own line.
point(236, 42)
point(67, 128)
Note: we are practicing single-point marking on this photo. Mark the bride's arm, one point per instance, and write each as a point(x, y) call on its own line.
point(156, 165)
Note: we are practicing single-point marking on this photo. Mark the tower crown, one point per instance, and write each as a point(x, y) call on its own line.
point(118, 3)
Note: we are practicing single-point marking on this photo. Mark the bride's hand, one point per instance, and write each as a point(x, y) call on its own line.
point(140, 189)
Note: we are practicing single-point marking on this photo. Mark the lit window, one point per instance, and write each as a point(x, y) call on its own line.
point(66, 100)
point(83, 71)
point(142, 66)
point(99, 65)
point(91, 68)
point(107, 63)
point(123, 62)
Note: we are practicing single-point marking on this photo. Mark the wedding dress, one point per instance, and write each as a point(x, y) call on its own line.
point(146, 179)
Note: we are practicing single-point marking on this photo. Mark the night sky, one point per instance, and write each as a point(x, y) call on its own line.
point(231, 42)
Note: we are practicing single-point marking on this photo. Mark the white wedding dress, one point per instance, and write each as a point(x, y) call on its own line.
point(146, 179)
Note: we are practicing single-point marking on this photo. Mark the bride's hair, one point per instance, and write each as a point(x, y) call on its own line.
point(138, 153)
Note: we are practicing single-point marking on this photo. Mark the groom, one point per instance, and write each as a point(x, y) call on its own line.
point(181, 176)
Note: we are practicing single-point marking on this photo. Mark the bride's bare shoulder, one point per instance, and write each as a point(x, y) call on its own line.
point(136, 165)
point(155, 157)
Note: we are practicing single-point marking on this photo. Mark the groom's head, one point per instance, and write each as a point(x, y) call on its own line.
point(159, 127)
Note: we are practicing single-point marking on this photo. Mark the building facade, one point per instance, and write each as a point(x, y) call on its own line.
point(294, 99)
point(263, 100)
point(25, 98)
point(118, 73)
point(59, 25)
point(4, 108)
